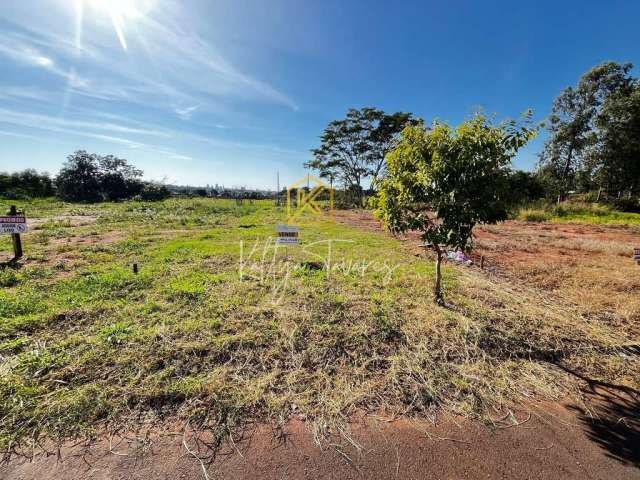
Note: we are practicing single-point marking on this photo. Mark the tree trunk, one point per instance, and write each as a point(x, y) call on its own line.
point(437, 291)
point(565, 172)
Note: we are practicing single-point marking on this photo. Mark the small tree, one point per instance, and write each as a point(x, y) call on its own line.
point(443, 182)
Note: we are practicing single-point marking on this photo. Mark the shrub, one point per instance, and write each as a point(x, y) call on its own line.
point(580, 208)
point(530, 215)
point(116, 333)
point(627, 205)
point(8, 277)
point(153, 192)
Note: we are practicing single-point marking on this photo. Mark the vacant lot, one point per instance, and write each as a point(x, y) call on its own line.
point(218, 328)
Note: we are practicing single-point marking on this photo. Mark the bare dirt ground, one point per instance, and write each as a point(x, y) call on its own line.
point(590, 266)
point(545, 441)
point(511, 245)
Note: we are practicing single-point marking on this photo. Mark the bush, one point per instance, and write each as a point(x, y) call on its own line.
point(153, 192)
point(534, 215)
point(580, 208)
point(14, 195)
point(8, 277)
point(630, 205)
point(523, 187)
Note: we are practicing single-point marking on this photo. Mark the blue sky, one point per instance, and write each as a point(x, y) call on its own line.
point(228, 92)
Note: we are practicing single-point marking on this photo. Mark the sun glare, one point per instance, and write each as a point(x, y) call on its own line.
point(128, 9)
point(121, 12)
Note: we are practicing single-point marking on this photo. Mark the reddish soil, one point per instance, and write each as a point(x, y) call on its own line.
point(547, 441)
point(512, 245)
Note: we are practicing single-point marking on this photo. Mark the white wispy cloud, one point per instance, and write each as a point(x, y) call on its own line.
point(187, 112)
point(18, 135)
point(118, 130)
point(34, 120)
point(164, 63)
point(25, 53)
point(176, 156)
point(87, 129)
point(24, 93)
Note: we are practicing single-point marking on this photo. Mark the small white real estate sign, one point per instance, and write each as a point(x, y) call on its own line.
point(13, 224)
point(288, 235)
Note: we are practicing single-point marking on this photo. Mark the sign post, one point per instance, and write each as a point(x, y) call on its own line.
point(287, 235)
point(15, 225)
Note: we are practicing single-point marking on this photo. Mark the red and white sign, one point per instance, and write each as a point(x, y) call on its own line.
point(288, 235)
point(13, 224)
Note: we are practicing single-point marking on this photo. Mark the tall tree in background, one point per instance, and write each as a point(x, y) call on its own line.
point(571, 124)
point(615, 156)
point(79, 178)
point(118, 179)
point(88, 177)
point(384, 131)
point(354, 148)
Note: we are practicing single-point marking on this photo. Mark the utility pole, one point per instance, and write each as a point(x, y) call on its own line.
point(278, 188)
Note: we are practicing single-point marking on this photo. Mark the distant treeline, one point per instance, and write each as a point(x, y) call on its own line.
point(84, 177)
point(26, 184)
point(88, 177)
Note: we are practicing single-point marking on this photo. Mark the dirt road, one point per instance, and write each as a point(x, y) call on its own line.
point(544, 441)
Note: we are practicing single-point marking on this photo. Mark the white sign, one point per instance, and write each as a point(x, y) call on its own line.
point(13, 224)
point(288, 235)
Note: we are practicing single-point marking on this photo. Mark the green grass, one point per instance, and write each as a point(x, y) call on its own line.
point(86, 344)
point(577, 212)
